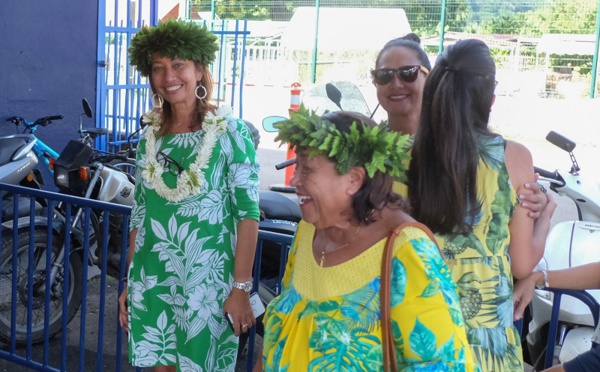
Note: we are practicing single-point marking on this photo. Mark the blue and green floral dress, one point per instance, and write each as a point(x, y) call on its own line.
point(480, 265)
point(328, 318)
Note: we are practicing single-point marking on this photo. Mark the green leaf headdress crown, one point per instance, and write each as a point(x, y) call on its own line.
point(172, 38)
point(374, 148)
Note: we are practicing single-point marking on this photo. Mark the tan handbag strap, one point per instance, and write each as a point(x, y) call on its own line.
point(387, 337)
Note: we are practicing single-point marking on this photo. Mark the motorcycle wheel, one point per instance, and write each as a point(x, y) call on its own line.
point(39, 287)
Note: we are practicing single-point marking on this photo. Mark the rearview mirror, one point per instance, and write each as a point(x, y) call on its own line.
point(269, 122)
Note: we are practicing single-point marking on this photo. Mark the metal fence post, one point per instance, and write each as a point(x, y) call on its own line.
point(595, 57)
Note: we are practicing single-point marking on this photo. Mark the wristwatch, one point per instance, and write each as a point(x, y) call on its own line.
point(545, 285)
point(244, 286)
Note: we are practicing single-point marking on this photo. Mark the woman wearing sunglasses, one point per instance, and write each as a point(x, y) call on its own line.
point(399, 77)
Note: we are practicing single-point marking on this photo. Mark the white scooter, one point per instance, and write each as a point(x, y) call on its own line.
point(570, 243)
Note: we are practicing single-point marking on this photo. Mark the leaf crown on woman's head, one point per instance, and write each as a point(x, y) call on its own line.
point(374, 148)
point(172, 38)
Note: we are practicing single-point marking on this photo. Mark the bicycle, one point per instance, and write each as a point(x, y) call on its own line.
point(46, 153)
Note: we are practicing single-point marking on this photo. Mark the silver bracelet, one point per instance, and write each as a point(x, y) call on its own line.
point(546, 285)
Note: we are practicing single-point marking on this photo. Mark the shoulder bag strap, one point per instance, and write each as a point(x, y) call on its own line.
point(387, 337)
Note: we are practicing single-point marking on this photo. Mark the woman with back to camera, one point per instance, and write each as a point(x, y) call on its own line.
point(327, 317)
point(194, 220)
point(401, 69)
point(463, 184)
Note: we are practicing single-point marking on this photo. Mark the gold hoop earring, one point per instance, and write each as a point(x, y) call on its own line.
point(204, 89)
point(157, 101)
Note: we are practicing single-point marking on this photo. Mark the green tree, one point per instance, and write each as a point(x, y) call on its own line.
point(563, 16)
point(424, 16)
point(506, 24)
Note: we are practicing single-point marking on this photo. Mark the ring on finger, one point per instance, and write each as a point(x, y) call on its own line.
point(244, 325)
point(542, 188)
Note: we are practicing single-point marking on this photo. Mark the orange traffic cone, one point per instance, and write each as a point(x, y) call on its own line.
point(295, 97)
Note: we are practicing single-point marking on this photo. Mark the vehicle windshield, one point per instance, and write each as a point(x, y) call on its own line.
point(351, 99)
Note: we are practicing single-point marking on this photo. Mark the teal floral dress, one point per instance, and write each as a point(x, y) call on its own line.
point(328, 318)
point(182, 269)
point(480, 265)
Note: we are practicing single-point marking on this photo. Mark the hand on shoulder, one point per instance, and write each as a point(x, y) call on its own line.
point(519, 164)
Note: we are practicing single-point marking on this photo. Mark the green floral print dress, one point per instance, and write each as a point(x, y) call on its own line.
point(182, 268)
point(480, 265)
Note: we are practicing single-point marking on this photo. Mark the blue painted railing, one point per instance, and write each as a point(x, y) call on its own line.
point(55, 348)
point(553, 335)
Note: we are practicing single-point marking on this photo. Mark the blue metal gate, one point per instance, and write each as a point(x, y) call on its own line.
point(123, 95)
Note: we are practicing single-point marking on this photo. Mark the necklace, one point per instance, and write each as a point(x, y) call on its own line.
point(190, 181)
point(323, 253)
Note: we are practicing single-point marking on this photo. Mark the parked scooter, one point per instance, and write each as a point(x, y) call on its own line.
point(336, 96)
point(17, 167)
point(570, 243)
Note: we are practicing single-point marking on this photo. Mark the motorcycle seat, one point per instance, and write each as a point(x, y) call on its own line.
point(277, 206)
point(95, 132)
point(23, 207)
point(8, 147)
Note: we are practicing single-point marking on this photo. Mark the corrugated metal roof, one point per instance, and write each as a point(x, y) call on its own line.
point(582, 44)
point(505, 41)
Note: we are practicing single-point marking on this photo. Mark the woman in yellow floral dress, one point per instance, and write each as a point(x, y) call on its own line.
point(327, 317)
point(463, 182)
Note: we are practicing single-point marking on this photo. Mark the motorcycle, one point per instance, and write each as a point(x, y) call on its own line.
point(569, 243)
point(336, 96)
point(79, 171)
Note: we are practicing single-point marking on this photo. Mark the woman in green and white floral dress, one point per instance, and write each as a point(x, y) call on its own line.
point(194, 222)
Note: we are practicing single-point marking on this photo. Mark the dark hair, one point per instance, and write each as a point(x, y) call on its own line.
point(202, 105)
point(375, 193)
point(457, 99)
point(410, 41)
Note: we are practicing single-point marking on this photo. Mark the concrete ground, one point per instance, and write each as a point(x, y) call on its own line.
point(89, 340)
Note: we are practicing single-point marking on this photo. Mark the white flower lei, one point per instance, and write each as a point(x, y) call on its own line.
point(190, 181)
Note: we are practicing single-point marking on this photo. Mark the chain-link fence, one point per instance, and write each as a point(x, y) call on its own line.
point(545, 47)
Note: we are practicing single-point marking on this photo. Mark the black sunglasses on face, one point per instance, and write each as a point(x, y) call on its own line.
point(407, 74)
point(174, 167)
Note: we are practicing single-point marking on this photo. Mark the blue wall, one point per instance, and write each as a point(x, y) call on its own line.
point(48, 64)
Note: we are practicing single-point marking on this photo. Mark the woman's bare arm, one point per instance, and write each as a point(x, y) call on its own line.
point(523, 253)
point(238, 303)
point(578, 278)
